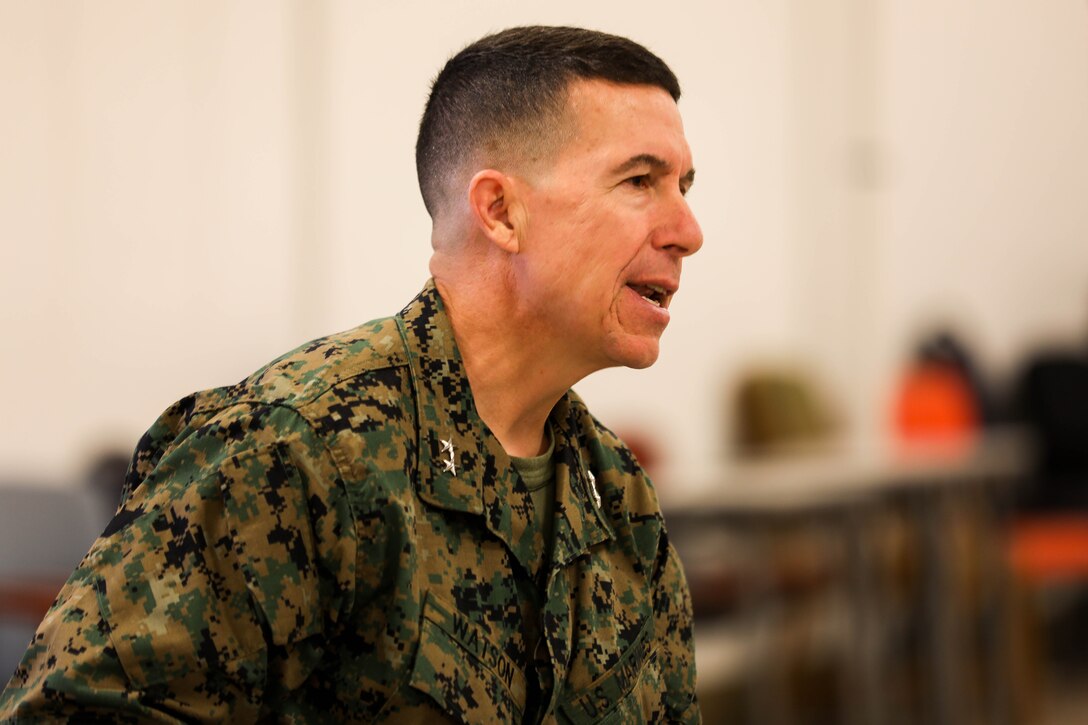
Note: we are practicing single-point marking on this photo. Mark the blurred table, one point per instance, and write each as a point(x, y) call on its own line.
point(844, 492)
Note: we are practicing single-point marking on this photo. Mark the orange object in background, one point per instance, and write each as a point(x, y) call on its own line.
point(1046, 549)
point(935, 402)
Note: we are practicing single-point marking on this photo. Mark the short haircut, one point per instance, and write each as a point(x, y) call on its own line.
point(506, 93)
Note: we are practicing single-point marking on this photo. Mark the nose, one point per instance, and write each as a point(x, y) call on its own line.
point(680, 233)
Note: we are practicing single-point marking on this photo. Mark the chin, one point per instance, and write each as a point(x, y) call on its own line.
point(637, 356)
point(641, 364)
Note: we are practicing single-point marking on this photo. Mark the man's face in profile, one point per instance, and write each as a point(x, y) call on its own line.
point(608, 224)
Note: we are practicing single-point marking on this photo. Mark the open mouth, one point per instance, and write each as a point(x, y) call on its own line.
point(652, 293)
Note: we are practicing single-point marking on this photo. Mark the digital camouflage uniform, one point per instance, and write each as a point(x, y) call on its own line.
point(340, 538)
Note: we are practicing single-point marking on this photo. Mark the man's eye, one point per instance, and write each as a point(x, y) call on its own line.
point(641, 181)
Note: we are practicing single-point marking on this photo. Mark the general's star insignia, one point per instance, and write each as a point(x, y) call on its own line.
point(593, 488)
point(448, 465)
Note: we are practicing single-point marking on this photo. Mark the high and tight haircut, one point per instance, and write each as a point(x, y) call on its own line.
point(509, 90)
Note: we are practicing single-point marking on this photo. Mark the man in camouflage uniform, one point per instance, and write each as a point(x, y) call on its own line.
point(417, 519)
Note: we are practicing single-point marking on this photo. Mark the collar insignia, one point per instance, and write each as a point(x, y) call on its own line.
point(448, 465)
point(593, 489)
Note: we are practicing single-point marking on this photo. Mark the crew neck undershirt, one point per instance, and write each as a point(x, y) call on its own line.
point(538, 473)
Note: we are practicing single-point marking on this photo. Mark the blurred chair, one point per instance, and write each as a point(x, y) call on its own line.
point(1048, 537)
point(1050, 550)
point(45, 530)
point(1045, 552)
point(1052, 397)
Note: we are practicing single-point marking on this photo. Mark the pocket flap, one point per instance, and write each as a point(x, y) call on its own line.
point(592, 703)
point(461, 668)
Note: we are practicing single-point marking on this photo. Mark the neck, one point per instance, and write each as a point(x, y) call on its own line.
point(514, 370)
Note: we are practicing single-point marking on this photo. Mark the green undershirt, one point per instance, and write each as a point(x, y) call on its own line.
point(538, 473)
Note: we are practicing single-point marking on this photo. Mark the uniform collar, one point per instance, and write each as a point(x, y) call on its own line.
point(462, 466)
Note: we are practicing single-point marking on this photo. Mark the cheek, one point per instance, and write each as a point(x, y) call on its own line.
point(585, 249)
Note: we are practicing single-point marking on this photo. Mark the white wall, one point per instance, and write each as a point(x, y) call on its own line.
point(145, 212)
point(188, 189)
point(985, 124)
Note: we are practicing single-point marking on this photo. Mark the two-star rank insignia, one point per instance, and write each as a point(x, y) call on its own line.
point(448, 465)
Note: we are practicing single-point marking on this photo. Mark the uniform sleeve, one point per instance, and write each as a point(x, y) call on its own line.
point(204, 597)
point(673, 623)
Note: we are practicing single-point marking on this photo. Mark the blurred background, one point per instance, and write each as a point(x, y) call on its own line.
point(869, 422)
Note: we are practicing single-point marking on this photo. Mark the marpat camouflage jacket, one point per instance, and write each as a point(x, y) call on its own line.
point(340, 538)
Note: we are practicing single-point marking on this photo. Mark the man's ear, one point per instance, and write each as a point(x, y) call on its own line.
point(491, 198)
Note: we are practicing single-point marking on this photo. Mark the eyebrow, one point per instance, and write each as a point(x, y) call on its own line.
point(656, 163)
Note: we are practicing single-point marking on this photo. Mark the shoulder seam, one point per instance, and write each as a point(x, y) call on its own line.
point(297, 403)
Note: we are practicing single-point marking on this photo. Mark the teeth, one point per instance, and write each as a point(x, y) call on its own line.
point(652, 293)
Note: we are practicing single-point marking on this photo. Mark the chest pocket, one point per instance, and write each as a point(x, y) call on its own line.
point(461, 668)
point(630, 692)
